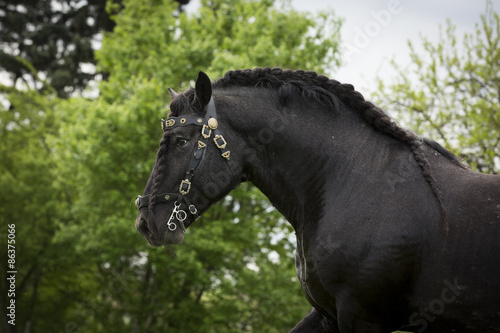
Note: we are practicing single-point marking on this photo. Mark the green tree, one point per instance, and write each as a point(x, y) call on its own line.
point(57, 38)
point(235, 271)
point(451, 92)
point(223, 34)
point(31, 202)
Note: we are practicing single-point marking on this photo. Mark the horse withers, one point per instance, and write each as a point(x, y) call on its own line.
point(393, 232)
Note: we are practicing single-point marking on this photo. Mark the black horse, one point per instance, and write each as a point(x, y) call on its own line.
point(393, 232)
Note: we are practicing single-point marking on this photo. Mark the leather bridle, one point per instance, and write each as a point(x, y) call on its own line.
point(209, 125)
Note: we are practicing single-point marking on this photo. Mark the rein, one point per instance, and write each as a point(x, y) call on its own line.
point(209, 125)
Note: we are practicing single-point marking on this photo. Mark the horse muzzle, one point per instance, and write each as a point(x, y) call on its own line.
point(157, 231)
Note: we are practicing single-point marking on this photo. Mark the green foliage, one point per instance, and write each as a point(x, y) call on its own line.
point(55, 37)
point(151, 43)
point(32, 202)
point(451, 92)
point(70, 169)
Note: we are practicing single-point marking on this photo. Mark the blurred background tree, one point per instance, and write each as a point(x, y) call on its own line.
point(57, 38)
point(451, 92)
point(70, 167)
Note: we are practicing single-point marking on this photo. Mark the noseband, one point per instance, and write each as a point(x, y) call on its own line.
point(209, 125)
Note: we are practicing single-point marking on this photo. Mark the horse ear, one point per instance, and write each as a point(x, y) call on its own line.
point(173, 94)
point(203, 90)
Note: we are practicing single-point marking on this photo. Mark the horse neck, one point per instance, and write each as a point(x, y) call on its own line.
point(291, 153)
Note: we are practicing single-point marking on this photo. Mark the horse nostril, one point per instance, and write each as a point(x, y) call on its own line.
point(142, 227)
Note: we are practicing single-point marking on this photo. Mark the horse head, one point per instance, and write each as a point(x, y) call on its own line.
point(194, 167)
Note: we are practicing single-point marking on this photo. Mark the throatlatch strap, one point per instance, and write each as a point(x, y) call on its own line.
point(220, 142)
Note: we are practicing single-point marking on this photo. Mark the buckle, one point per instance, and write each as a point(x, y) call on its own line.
point(220, 142)
point(193, 210)
point(204, 132)
point(185, 187)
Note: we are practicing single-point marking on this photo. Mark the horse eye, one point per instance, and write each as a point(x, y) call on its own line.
point(181, 142)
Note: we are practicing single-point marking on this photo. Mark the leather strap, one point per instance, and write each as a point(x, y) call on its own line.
point(219, 142)
point(143, 201)
point(173, 122)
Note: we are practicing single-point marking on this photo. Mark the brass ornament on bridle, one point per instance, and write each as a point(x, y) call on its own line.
point(212, 123)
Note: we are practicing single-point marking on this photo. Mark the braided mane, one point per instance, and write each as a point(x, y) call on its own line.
point(159, 174)
point(320, 88)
